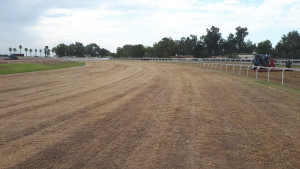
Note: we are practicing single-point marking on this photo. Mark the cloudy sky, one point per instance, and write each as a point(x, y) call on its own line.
point(114, 23)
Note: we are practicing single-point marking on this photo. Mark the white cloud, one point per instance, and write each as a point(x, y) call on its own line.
point(231, 1)
point(116, 22)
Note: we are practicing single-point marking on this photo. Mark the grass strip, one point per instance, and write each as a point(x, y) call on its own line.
point(32, 67)
point(278, 86)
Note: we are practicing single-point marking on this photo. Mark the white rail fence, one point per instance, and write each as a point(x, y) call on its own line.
point(236, 68)
point(224, 60)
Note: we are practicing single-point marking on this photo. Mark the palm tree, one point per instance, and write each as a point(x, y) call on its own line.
point(35, 50)
point(46, 51)
point(41, 52)
point(20, 48)
point(26, 51)
point(30, 50)
point(14, 50)
point(10, 49)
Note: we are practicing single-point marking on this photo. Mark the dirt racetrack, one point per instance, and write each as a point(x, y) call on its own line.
point(113, 114)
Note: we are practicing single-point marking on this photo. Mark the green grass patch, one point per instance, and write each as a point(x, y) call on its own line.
point(275, 85)
point(32, 67)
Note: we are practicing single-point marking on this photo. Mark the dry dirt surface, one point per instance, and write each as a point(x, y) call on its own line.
point(291, 78)
point(113, 114)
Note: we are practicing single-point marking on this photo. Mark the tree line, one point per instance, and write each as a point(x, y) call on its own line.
point(79, 50)
point(205, 46)
point(213, 44)
point(14, 50)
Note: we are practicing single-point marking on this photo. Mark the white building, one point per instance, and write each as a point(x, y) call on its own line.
point(246, 56)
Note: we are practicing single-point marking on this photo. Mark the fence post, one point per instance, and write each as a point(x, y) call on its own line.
point(269, 74)
point(257, 71)
point(240, 70)
point(282, 76)
point(248, 71)
point(233, 69)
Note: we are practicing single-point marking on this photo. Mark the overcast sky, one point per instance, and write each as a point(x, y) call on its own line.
point(114, 23)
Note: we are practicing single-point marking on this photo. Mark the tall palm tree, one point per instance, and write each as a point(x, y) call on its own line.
point(35, 50)
point(10, 49)
point(26, 51)
point(41, 52)
point(14, 50)
point(30, 50)
point(46, 51)
point(20, 48)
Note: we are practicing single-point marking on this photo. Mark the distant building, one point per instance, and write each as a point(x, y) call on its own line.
point(249, 56)
point(182, 56)
point(19, 55)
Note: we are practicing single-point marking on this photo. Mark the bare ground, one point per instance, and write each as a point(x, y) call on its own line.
point(145, 115)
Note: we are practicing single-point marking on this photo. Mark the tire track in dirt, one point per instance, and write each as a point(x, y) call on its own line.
point(169, 116)
point(57, 99)
point(110, 113)
point(64, 87)
point(63, 118)
point(66, 116)
point(43, 80)
point(2, 91)
point(120, 125)
point(239, 127)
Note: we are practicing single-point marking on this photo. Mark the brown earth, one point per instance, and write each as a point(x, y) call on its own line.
point(113, 114)
point(291, 78)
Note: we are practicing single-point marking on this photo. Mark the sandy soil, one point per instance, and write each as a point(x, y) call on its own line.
point(114, 114)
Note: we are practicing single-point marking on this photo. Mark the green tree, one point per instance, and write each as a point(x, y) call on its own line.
point(40, 52)
point(92, 50)
point(35, 50)
point(61, 50)
point(14, 49)
point(289, 45)
point(250, 47)
point(71, 50)
point(212, 40)
point(138, 51)
point(126, 51)
point(264, 47)
point(79, 49)
point(149, 52)
point(20, 47)
point(165, 48)
point(230, 44)
point(103, 52)
point(120, 52)
point(240, 35)
point(10, 49)
point(200, 51)
point(186, 45)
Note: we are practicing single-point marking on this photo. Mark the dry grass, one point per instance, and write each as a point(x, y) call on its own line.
point(145, 115)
